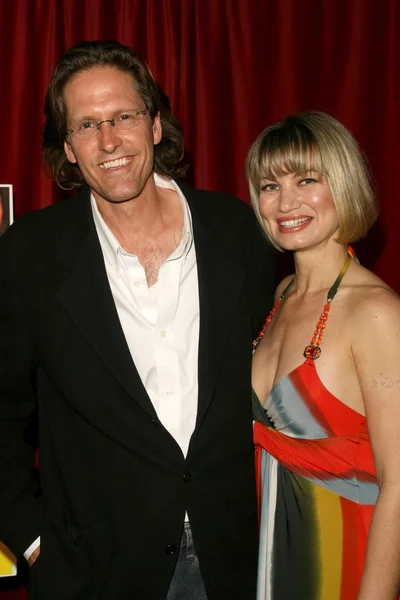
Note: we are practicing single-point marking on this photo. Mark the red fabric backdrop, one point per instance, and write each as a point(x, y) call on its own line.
point(231, 67)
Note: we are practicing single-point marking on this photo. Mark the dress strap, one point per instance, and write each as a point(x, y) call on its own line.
point(271, 314)
point(338, 280)
point(313, 351)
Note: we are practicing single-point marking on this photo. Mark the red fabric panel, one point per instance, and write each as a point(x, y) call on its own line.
point(322, 459)
point(354, 548)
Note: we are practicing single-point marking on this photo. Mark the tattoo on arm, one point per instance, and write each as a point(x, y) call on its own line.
point(384, 382)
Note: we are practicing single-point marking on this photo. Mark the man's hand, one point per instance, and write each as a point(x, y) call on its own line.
point(34, 556)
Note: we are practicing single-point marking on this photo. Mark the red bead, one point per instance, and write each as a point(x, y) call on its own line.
point(266, 324)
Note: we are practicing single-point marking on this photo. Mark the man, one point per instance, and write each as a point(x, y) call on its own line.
point(129, 312)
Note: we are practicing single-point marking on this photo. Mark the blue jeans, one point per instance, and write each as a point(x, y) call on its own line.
point(187, 582)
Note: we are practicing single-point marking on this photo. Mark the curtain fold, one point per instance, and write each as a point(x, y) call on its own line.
point(230, 67)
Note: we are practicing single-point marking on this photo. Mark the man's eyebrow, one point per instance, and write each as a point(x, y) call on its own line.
point(78, 119)
point(117, 112)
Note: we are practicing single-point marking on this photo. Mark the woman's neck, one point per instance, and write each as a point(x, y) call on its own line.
point(317, 268)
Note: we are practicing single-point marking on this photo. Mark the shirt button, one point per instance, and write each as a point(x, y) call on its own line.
point(136, 283)
point(164, 333)
point(170, 549)
point(187, 477)
point(169, 393)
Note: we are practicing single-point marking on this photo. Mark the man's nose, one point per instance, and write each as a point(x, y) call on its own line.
point(108, 137)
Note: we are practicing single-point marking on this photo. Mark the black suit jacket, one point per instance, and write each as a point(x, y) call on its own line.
point(114, 485)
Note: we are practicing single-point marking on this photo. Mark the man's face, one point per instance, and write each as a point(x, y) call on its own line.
point(116, 164)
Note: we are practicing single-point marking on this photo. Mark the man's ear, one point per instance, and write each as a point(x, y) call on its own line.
point(70, 153)
point(157, 129)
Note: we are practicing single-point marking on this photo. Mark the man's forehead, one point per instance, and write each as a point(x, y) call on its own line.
point(98, 86)
point(99, 73)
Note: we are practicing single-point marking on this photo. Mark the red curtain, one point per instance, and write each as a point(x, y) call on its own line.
point(230, 67)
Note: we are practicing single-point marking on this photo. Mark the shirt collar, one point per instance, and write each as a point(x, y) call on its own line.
point(111, 246)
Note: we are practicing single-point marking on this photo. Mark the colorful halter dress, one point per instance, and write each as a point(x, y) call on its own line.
point(316, 484)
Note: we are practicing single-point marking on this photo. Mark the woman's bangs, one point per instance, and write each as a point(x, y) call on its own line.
point(286, 152)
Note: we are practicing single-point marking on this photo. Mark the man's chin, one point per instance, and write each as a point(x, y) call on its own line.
point(114, 197)
point(120, 200)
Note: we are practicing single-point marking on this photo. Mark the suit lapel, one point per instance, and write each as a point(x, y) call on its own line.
point(86, 297)
point(220, 282)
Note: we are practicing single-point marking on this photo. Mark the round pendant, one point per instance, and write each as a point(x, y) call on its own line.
point(312, 352)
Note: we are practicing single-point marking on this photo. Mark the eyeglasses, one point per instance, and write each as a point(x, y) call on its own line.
point(88, 128)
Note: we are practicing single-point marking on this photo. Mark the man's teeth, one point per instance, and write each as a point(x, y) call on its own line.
point(118, 162)
point(294, 222)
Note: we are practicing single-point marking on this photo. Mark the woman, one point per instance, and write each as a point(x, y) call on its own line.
point(327, 371)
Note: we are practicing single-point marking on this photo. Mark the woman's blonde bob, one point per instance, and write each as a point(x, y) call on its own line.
point(315, 141)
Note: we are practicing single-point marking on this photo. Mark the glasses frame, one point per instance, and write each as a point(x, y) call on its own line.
point(113, 122)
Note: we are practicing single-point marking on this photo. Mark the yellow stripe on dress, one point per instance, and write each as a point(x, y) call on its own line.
point(7, 562)
point(330, 533)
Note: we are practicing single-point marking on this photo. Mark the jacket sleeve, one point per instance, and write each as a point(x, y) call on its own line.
point(261, 274)
point(20, 499)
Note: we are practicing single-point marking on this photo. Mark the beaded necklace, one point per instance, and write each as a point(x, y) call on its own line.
point(313, 350)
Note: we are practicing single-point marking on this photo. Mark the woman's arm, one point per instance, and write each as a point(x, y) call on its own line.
point(376, 350)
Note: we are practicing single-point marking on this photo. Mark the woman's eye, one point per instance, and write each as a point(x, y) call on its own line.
point(269, 187)
point(307, 181)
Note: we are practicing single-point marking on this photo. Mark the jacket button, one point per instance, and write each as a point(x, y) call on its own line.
point(170, 549)
point(187, 477)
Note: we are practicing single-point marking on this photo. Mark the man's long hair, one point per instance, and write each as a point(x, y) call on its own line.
point(168, 154)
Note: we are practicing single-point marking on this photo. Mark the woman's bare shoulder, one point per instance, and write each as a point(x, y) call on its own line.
point(370, 293)
point(373, 304)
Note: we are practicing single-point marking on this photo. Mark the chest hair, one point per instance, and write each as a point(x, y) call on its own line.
point(153, 253)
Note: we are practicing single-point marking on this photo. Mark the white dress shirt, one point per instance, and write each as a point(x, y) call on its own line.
point(160, 323)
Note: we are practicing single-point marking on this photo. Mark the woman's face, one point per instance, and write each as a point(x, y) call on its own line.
point(298, 210)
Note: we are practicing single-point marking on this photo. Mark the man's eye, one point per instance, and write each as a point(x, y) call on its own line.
point(125, 117)
point(86, 125)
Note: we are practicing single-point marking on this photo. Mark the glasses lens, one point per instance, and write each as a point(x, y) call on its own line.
point(85, 130)
point(88, 133)
point(128, 119)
